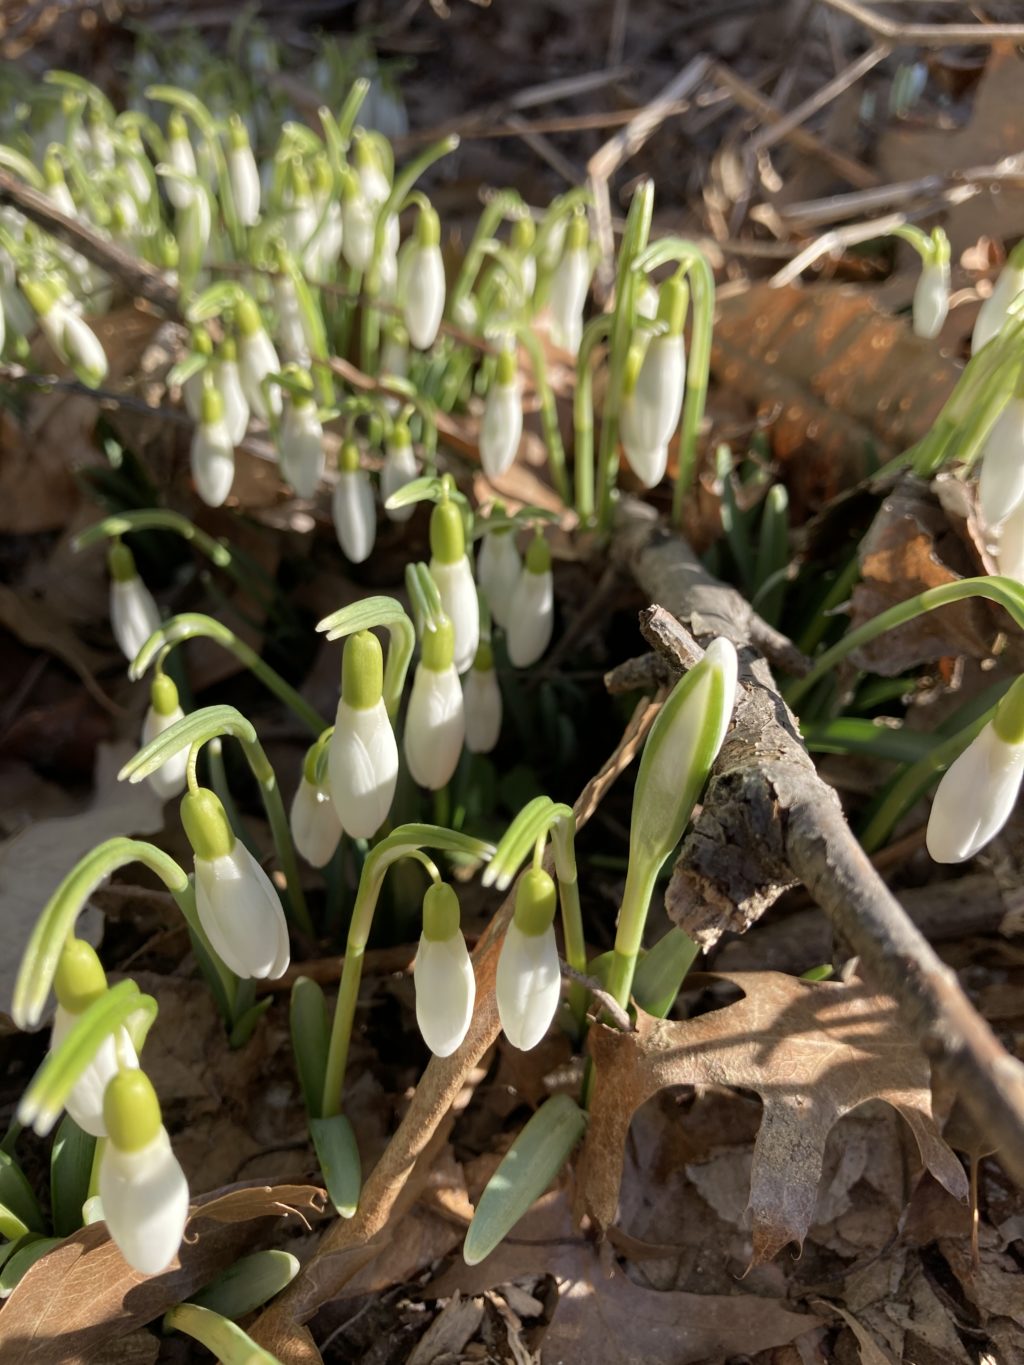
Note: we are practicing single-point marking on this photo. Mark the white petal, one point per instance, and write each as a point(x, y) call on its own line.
point(236, 406)
point(975, 798)
point(435, 727)
point(931, 300)
point(362, 763)
point(213, 462)
point(302, 449)
point(482, 698)
point(315, 826)
point(257, 357)
point(133, 615)
point(527, 985)
point(240, 912)
point(445, 992)
point(85, 1103)
point(650, 414)
point(992, 313)
point(498, 566)
point(458, 597)
point(83, 350)
point(531, 618)
point(245, 184)
point(501, 428)
point(181, 156)
point(399, 468)
point(169, 778)
point(1001, 485)
point(145, 1203)
point(1010, 550)
point(424, 294)
point(569, 287)
point(357, 232)
point(355, 514)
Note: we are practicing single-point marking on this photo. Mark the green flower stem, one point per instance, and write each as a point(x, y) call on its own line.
point(563, 846)
point(636, 899)
point(366, 615)
point(504, 205)
point(220, 1336)
point(223, 983)
point(1004, 591)
point(594, 333)
point(548, 412)
point(190, 625)
point(836, 595)
point(204, 121)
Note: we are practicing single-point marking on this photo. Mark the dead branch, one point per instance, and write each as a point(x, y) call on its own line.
point(927, 35)
point(768, 820)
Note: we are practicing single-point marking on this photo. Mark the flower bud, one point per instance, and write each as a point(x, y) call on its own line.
point(394, 358)
point(424, 294)
point(994, 311)
point(400, 467)
point(315, 826)
point(182, 158)
point(931, 299)
point(352, 506)
point(142, 1187)
point(228, 383)
point(653, 396)
point(358, 218)
point(569, 287)
point(482, 701)
point(239, 909)
point(502, 427)
point(452, 572)
point(1010, 549)
point(213, 453)
point(435, 723)
point(531, 613)
point(443, 974)
point(291, 329)
point(528, 982)
point(134, 615)
point(83, 350)
point(362, 758)
point(372, 180)
point(165, 711)
point(979, 790)
point(256, 359)
point(1001, 483)
point(498, 566)
point(302, 446)
point(192, 389)
point(243, 173)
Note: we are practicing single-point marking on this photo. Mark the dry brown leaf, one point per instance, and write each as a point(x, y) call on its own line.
point(812, 1051)
point(35, 625)
point(846, 386)
point(85, 1289)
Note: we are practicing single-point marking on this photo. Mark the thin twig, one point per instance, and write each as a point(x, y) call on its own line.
point(608, 1003)
point(823, 96)
point(928, 35)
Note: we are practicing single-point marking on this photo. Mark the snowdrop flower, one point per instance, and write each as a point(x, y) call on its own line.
point(931, 298)
point(569, 287)
point(291, 329)
point(192, 229)
point(301, 444)
point(300, 218)
point(133, 613)
point(72, 339)
point(452, 572)
point(134, 164)
point(165, 711)
point(315, 826)
point(1001, 483)
point(978, 792)
point(243, 173)
point(994, 310)
point(498, 566)
point(653, 396)
point(443, 974)
point(1010, 548)
point(100, 141)
point(237, 905)
point(192, 389)
point(387, 264)
point(482, 701)
point(362, 759)
point(399, 468)
point(213, 452)
point(78, 982)
point(502, 425)
point(358, 219)
point(352, 506)
point(531, 613)
point(424, 292)
point(182, 158)
point(372, 180)
point(528, 982)
point(57, 187)
point(321, 251)
point(435, 723)
point(394, 357)
point(256, 359)
point(142, 1187)
point(523, 236)
point(228, 381)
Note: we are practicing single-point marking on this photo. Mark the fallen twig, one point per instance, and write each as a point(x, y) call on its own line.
point(927, 35)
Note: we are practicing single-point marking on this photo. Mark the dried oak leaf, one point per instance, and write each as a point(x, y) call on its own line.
point(813, 1051)
point(84, 1294)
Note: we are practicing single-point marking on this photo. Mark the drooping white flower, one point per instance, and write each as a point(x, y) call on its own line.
point(373, 181)
point(163, 712)
point(358, 219)
point(182, 157)
point(424, 292)
point(302, 445)
point(142, 1187)
point(228, 382)
point(435, 723)
point(443, 974)
point(72, 339)
point(57, 187)
point(569, 286)
point(528, 981)
point(1001, 483)
point(315, 826)
point(653, 396)
point(1010, 547)
point(931, 299)
point(452, 572)
point(352, 506)
point(482, 701)
point(362, 759)
point(237, 905)
point(212, 453)
point(994, 310)
point(498, 566)
point(192, 389)
point(257, 358)
point(291, 329)
point(243, 173)
point(531, 613)
point(502, 426)
point(134, 615)
point(400, 467)
point(300, 217)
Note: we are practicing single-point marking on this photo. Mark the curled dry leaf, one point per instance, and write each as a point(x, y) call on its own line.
point(812, 1051)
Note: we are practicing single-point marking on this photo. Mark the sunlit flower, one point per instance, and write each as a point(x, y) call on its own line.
point(362, 758)
point(134, 614)
point(531, 613)
point(528, 982)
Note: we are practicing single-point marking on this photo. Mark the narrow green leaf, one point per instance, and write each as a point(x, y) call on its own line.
point(198, 727)
point(29, 1250)
point(857, 735)
point(16, 1195)
point(245, 1024)
point(661, 972)
point(427, 488)
point(222, 1338)
point(310, 1027)
point(336, 1150)
point(11, 1225)
point(70, 1169)
point(527, 1169)
point(517, 841)
point(247, 1284)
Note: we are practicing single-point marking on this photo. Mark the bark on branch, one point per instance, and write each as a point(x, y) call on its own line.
point(768, 821)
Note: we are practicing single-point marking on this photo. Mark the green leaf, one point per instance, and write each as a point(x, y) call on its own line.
point(222, 1338)
point(527, 1169)
point(28, 1250)
point(336, 1150)
point(11, 1225)
point(247, 1284)
point(198, 727)
point(662, 970)
point(17, 1197)
point(71, 1162)
point(363, 615)
point(154, 519)
point(856, 735)
point(427, 488)
point(244, 1025)
point(310, 1029)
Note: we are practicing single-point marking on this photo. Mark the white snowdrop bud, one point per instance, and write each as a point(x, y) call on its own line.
point(424, 293)
point(182, 158)
point(994, 310)
point(300, 218)
point(257, 358)
point(212, 454)
point(291, 330)
point(237, 905)
point(362, 759)
point(394, 358)
point(528, 980)
point(372, 180)
point(531, 613)
point(165, 711)
point(1010, 548)
point(931, 299)
point(400, 467)
point(192, 389)
point(452, 572)
point(228, 382)
point(56, 187)
point(502, 425)
point(142, 1187)
point(1001, 483)
point(71, 338)
point(443, 974)
point(134, 165)
point(133, 613)
point(482, 701)
point(314, 821)
point(358, 219)
point(302, 445)
point(435, 723)
point(498, 566)
point(979, 790)
point(653, 395)
point(352, 506)
point(569, 287)
point(243, 173)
